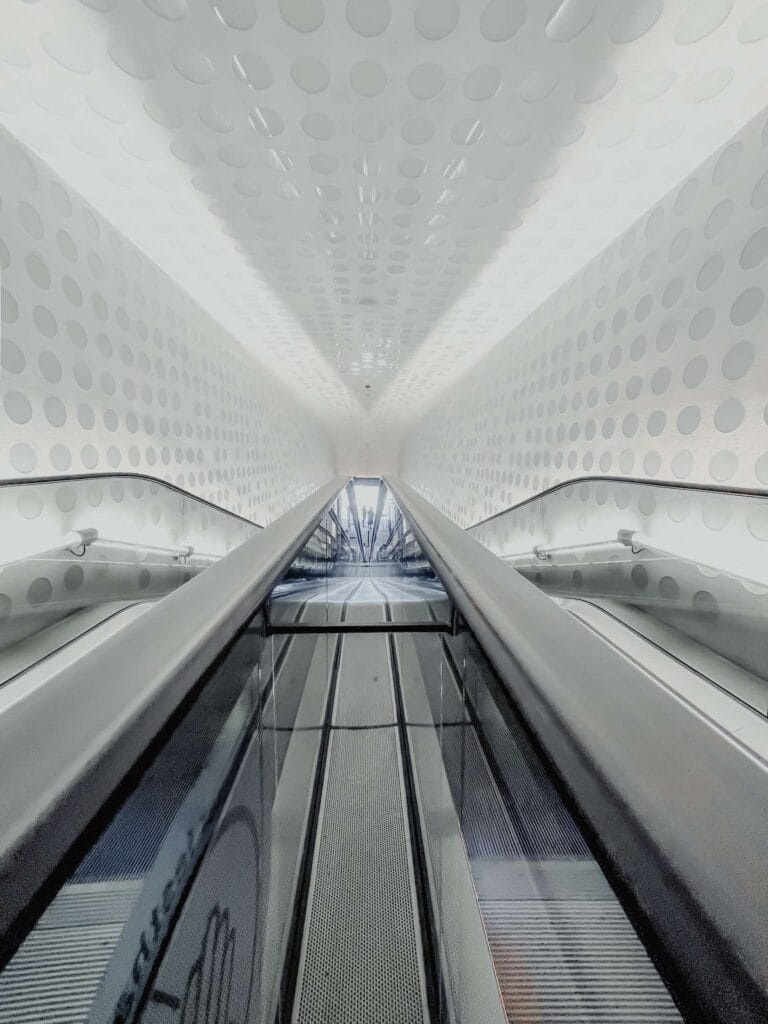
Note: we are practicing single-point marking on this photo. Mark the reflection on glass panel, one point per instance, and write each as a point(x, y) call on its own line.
point(79, 552)
point(222, 807)
point(380, 570)
point(682, 567)
point(118, 903)
point(523, 909)
point(368, 511)
point(233, 934)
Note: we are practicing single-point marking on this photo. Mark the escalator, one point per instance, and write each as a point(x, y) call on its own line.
point(346, 818)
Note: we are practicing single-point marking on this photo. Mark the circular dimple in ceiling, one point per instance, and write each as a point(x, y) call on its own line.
point(436, 19)
point(237, 14)
point(368, 78)
point(132, 58)
point(425, 81)
point(303, 15)
point(310, 74)
point(171, 10)
point(570, 19)
point(368, 17)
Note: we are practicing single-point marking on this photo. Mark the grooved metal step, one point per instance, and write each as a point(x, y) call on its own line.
point(53, 977)
point(578, 961)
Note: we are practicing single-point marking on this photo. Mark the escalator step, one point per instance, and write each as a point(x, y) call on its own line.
point(578, 961)
point(53, 977)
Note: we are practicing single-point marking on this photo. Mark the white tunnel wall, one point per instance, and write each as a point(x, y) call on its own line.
point(652, 362)
point(108, 366)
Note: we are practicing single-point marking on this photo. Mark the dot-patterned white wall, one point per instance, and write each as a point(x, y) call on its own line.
point(651, 362)
point(108, 365)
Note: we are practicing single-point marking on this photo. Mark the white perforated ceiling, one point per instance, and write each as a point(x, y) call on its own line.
point(375, 192)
